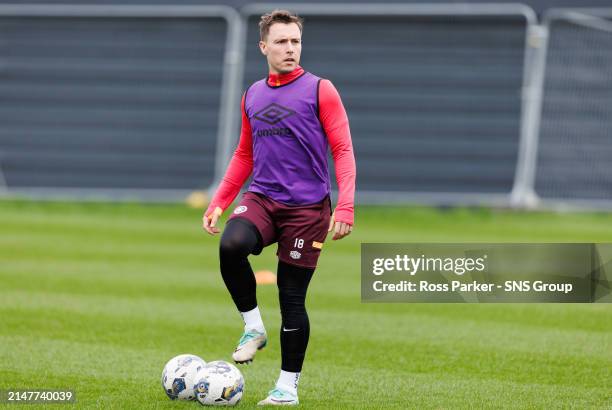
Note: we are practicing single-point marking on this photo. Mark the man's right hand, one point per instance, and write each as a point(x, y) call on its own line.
point(209, 221)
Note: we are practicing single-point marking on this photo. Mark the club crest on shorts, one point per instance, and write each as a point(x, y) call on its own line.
point(240, 209)
point(295, 254)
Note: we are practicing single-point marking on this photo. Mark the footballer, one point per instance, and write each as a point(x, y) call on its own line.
point(289, 121)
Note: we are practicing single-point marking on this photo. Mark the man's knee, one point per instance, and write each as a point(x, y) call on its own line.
point(232, 247)
point(239, 239)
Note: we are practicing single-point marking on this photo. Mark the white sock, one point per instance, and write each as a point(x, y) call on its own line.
point(288, 381)
point(252, 320)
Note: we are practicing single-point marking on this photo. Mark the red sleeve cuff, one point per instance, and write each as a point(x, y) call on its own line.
point(345, 216)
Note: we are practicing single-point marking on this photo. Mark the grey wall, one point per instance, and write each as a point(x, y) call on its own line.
point(109, 103)
point(433, 103)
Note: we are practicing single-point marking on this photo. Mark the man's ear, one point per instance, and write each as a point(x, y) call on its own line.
point(262, 48)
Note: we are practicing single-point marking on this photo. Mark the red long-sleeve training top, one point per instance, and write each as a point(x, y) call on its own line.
point(335, 124)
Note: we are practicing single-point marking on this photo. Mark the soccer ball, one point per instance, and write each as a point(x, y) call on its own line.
point(178, 376)
point(219, 383)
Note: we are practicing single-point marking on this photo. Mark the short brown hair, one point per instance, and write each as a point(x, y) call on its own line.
point(277, 16)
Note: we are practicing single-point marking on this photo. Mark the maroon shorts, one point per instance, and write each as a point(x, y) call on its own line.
point(299, 230)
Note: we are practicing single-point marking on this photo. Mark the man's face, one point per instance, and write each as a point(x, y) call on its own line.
point(282, 47)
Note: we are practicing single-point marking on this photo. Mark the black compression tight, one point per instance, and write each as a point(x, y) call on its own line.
point(240, 239)
point(295, 328)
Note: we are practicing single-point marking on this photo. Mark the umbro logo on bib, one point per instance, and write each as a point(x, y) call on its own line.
point(273, 113)
point(295, 254)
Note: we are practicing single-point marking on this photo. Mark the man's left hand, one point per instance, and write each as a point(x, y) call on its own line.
point(341, 229)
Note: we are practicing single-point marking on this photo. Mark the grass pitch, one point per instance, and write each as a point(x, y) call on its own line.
point(97, 297)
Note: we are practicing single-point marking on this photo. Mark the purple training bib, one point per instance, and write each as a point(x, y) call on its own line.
point(289, 144)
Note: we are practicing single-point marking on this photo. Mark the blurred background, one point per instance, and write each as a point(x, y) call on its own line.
point(449, 103)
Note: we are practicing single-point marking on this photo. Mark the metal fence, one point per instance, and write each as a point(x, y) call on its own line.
point(574, 155)
point(448, 103)
point(567, 129)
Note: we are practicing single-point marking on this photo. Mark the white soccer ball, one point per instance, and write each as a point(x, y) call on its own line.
point(179, 374)
point(219, 383)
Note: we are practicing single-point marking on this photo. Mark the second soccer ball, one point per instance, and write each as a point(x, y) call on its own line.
point(179, 375)
point(218, 383)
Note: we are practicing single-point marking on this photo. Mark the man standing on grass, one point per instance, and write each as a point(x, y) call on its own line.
point(288, 122)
